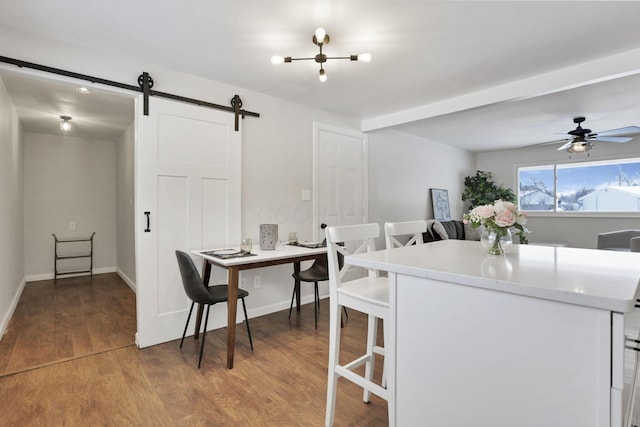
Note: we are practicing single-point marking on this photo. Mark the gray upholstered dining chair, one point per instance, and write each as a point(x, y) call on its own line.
point(318, 272)
point(199, 293)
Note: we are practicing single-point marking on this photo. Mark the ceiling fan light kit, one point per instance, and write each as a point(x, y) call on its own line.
point(321, 38)
point(579, 147)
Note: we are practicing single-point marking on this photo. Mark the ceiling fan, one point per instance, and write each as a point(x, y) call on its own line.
point(580, 139)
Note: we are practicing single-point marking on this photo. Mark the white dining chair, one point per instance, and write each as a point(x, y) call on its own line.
point(392, 230)
point(369, 295)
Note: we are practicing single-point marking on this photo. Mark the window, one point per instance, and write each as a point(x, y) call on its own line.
point(602, 186)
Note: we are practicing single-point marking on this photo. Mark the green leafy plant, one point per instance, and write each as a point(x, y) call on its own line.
point(481, 190)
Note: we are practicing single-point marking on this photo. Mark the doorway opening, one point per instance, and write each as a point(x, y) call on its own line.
point(75, 183)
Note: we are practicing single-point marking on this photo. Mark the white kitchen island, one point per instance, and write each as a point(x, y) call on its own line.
point(534, 338)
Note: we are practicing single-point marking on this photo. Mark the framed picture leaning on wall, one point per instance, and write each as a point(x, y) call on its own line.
point(440, 203)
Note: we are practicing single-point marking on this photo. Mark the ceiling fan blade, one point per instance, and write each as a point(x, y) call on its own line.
point(565, 146)
point(538, 144)
point(620, 131)
point(610, 138)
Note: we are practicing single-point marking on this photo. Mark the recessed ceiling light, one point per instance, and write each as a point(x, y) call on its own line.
point(83, 90)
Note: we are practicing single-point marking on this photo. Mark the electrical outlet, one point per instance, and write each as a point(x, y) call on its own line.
point(256, 282)
point(72, 225)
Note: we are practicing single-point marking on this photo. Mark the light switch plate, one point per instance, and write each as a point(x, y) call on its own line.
point(306, 195)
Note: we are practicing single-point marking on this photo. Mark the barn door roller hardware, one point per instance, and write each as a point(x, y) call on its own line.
point(145, 83)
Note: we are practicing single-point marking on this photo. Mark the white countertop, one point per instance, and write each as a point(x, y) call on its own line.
point(588, 277)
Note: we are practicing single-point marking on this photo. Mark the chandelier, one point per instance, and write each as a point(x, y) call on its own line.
point(321, 38)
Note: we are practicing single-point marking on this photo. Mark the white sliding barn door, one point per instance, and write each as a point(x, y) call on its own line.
point(340, 177)
point(188, 179)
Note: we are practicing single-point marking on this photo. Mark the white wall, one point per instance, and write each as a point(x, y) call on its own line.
point(11, 210)
point(125, 236)
point(68, 179)
point(402, 169)
point(573, 230)
point(277, 164)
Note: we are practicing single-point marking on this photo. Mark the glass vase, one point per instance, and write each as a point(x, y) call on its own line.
point(496, 241)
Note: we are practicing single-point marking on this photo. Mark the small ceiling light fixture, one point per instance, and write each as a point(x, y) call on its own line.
point(65, 125)
point(321, 38)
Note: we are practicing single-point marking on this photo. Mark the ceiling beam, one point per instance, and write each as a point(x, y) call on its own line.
point(587, 73)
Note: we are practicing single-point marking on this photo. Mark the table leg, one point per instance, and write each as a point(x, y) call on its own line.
point(232, 306)
point(206, 275)
point(296, 270)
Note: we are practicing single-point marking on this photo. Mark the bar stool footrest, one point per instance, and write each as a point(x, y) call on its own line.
point(362, 382)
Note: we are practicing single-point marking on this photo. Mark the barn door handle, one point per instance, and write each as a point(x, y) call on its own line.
point(148, 229)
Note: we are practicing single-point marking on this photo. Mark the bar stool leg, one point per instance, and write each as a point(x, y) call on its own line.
point(334, 352)
point(372, 333)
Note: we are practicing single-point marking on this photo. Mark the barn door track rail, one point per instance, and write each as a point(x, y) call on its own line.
point(145, 85)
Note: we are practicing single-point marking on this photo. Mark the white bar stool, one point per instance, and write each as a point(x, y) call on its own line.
point(395, 229)
point(370, 295)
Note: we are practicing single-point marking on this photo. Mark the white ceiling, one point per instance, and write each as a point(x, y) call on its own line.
point(429, 58)
point(40, 103)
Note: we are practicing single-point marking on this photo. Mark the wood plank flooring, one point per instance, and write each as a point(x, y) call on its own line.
point(68, 318)
point(281, 383)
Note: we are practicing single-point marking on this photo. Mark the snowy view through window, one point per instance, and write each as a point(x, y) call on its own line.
point(612, 186)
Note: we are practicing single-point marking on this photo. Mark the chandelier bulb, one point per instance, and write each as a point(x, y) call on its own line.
point(364, 57)
point(320, 34)
point(276, 59)
point(323, 75)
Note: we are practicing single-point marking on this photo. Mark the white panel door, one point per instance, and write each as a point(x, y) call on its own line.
point(340, 177)
point(188, 179)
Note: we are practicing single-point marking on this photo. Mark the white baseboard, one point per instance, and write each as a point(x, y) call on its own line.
point(12, 308)
point(127, 280)
point(37, 277)
point(284, 305)
point(104, 270)
point(49, 276)
point(221, 322)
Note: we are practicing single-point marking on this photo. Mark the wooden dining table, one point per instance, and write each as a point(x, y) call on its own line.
point(258, 258)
